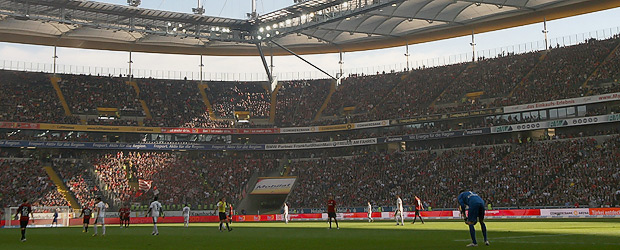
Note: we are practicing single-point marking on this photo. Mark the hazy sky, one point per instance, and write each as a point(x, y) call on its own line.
point(368, 61)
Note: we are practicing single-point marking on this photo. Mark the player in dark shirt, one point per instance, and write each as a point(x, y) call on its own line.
point(331, 212)
point(24, 212)
point(475, 213)
point(86, 212)
point(230, 213)
point(418, 206)
point(55, 220)
point(127, 215)
point(123, 214)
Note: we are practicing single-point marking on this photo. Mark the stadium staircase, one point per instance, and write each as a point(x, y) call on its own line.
point(471, 65)
point(205, 99)
point(54, 80)
point(520, 84)
point(389, 94)
point(61, 187)
point(146, 109)
point(332, 89)
point(595, 72)
point(274, 101)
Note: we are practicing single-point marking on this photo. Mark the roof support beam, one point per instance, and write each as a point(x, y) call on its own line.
point(477, 2)
point(301, 58)
point(416, 18)
point(262, 57)
point(349, 31)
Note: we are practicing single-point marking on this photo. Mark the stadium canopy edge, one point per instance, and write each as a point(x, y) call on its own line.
point(553, 11)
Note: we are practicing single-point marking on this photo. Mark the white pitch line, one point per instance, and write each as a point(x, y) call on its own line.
point(521, 237)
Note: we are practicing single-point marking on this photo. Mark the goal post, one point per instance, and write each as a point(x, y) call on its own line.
point(43, 216)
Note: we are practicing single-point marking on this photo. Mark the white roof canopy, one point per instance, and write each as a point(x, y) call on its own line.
point(309, 27)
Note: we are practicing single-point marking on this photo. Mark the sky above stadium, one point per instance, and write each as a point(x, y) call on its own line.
point(368, 61)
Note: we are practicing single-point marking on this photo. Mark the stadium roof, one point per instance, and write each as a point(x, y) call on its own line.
point(309, 27)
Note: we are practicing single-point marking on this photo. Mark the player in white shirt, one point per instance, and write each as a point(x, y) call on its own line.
point(370, 219)
point(100, 208)
point(285, 215)
point(154, 211)
point(186, 215)
point(399, 211)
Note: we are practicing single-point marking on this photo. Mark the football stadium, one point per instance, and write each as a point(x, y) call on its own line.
point(257, 124)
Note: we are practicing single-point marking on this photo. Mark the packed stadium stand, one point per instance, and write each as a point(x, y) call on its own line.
point(24, 178)
point(563, 72)
point(553, 173)
point(29, 97)
point(299, 101)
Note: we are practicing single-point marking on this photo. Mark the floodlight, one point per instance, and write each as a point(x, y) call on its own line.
point(134, 3)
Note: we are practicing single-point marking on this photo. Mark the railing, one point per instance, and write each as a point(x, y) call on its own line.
point(284, 76)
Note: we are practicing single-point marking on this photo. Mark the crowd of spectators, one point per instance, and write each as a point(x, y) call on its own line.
point(30, 97)
point(177, 178)
point(563, 72)
point(556, 74)
point(417, 91)
point(362, 92)
point(172, 103)
point(113, 180)
point(26, 179)
point(548, 173)
point(299, 101)
point(553, 172)
point(609, 70)
point(78, 180)
point(228, 97)
point(495, 77)
point(85, 93)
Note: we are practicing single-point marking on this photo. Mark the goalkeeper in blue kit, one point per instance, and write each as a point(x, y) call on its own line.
point(475, 213)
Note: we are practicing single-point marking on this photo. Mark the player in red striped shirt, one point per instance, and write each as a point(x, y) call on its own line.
point(124, 215)
point(331, 212)
point(24, 212)
point(418, 206)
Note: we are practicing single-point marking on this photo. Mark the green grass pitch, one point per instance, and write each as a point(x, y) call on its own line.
point(442, 234)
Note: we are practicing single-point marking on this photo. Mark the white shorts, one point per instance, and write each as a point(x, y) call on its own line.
point(100, 220)
point(186, 217)
point(155, 219)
